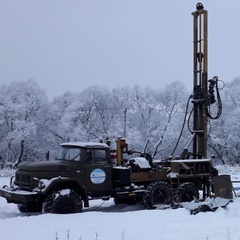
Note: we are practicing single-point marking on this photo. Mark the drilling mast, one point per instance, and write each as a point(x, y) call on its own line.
point(200, 81)
point(203, 89)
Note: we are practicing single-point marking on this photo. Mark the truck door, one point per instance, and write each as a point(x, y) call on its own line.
point(98, 173)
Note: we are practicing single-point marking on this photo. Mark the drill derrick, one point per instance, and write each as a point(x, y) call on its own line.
point(200, 81)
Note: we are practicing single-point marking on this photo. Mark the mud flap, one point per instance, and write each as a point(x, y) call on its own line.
point(222, 186)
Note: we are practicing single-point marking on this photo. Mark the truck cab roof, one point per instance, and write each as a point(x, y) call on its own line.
point(85, 144)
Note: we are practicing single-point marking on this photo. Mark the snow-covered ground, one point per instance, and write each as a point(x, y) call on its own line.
point(105, 221)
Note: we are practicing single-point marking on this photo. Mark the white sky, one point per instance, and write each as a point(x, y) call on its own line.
point(70, 45)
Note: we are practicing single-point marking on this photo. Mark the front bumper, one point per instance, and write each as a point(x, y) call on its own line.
point(15, 195)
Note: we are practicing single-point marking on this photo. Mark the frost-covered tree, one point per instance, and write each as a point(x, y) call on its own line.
point(22, 109)
point(154, 116)
point(94, 115)
point(173, 101)
point(151, 119)
point(224, 138)
point(58, 126)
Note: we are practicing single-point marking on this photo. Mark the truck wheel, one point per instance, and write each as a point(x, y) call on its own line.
point(62, 201)
point(29, 207)
point(157, 193)
point(188, 192)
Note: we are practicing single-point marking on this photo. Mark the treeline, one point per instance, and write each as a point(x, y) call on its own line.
point(149, 118)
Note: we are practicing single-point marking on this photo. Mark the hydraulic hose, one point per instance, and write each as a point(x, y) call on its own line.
point(183, 125)
point(218, 100)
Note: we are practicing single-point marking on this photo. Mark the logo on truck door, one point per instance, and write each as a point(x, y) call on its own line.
point(98, 176)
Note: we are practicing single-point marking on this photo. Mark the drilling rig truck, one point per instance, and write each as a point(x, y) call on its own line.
point(87, 170)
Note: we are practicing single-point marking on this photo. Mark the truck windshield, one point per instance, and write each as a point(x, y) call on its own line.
point(72, 154)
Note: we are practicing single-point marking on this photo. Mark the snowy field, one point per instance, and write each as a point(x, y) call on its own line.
point(105, 221)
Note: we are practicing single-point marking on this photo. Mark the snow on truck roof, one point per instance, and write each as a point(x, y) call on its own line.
point(191, 160)
point(85, 144)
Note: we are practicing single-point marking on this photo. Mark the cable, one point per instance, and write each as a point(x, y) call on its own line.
point(214, 83)
point(97, 207)
point(189, 128)
point(184, 121)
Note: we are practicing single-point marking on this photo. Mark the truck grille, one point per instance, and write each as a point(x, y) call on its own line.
point(23, 178)
point(24, 181)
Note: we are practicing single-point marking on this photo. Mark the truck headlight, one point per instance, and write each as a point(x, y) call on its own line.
point(12, 181)
point(41, 185)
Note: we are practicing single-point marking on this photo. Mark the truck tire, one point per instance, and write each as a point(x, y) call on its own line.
point(62, 201)
point(29, 207)
point(157, 193)
point(188, 192)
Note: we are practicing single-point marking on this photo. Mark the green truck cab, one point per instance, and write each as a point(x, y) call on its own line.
point(82, 171)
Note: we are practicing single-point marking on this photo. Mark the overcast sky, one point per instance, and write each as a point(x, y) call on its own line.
point(72, 44)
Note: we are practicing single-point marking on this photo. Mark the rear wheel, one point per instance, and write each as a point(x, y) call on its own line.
point(62, 201)
point(188, 192)
point(157, 193)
